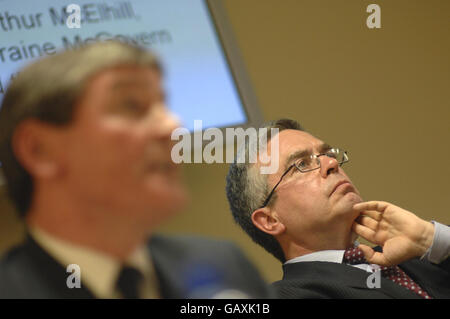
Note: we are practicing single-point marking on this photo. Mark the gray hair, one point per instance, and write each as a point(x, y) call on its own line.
point(247, 189)
point(48, 90)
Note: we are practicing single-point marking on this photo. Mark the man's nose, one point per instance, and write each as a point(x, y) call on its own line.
point(166, 122)
point(328, 165)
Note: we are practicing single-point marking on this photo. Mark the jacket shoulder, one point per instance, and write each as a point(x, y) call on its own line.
point(12, 265)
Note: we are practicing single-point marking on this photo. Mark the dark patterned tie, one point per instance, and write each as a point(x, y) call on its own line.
point(354, 256)
point(128, 282)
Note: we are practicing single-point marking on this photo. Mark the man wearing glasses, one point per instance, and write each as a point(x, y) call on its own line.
point(308, 215)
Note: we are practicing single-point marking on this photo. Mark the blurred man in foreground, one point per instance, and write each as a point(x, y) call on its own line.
point(85, 146)
point(308, 215)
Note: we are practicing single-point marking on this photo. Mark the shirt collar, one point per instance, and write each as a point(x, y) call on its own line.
point(99, 271)
point(332, 256)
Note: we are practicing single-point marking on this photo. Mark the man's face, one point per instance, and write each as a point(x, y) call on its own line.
point(117, 150)
point(309, 204)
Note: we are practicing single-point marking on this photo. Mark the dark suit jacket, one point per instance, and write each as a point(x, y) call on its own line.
point(28, 271)
point(332, 280)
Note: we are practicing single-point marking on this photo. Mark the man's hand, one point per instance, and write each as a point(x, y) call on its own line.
point(402, 234)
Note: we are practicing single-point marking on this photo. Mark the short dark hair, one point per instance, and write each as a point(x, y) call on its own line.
point(48, 90)
point(247, 189)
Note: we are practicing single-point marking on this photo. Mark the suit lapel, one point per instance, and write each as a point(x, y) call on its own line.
point(435, 280)
point(343, 276)
point(52, 276)
point(165, 262)
point(430, 277)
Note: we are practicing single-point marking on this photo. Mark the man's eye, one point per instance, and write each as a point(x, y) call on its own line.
point(133, 106)
point(303, 163)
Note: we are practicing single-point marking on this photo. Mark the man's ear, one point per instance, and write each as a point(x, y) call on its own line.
point(35, 146)
point(268, 221)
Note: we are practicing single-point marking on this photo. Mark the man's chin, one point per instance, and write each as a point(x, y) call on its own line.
point(170, 198)
point(345, 205)
point(157, 212)
point(354, 198)
point(349, 199)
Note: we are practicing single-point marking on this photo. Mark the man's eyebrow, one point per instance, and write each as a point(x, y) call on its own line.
point(123, 83)
point(324, 147)
point(302, 153)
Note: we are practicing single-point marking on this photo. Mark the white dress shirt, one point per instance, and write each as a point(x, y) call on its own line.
point(99, 271)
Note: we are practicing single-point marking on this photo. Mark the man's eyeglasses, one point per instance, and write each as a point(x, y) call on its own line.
point(310, 163)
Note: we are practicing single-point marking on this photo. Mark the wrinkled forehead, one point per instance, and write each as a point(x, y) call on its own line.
point(293, 144)
point(126, 77)
point(112, 85)
point(292, 141)
point(112, 82)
